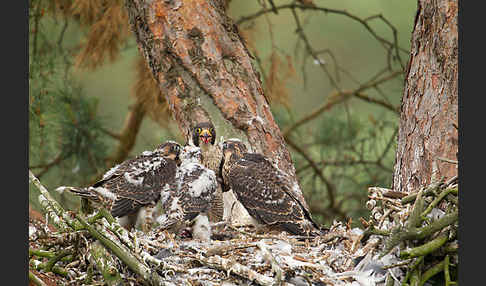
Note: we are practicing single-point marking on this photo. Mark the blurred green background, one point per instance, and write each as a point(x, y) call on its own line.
point(355, 130)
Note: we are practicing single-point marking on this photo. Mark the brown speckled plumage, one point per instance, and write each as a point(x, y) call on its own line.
point(265, 191)
point(135, 183)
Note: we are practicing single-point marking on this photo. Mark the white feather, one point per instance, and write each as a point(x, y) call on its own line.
point(147, 153)
point(111, 172)
point(104, 193)
point(203, 183)
point(201, 229)
point(131, 180)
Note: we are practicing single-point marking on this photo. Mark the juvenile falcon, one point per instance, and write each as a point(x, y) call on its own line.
point(134, 185)
point(204, 137)
point(265, 191)
point(189, 200)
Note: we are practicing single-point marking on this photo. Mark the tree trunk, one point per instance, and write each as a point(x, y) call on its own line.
point(428, 122)
point(206, 73)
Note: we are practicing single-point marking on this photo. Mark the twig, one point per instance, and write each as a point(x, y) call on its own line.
point(56, 207)
point(105, 264)
point(294, 6)
point(429, 190)
point(389, 193)
point(434, 203)
point(50, 263)
point(125, 255)
point(54, 269)
point(127, 137)
point(231, 266)
point(398, 235)
point(431, 272)
point(372, 230)
point(447, 276)
point(267, 254)
point(255, 235)
point(415, 277)
point(222, 249)
point(388, 146)
point(413, 266)
point(311, 51)
point(447, 160)
point(389, 200)
point(414, 219)
point(386, 105)
point(340, 97)
point(332, 101)
point(344, 163)
point(36, 280)
point(402, 263)
point(110, 133)
point(47, 254)
point(46, 167)
point(331, 190)
point(63, 31)
point(424, 249)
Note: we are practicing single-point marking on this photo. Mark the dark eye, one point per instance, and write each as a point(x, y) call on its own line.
point(198, 130)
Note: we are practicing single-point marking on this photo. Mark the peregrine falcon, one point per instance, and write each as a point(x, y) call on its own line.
point(190, 197)
point(134, 185)
point(204, 137)
point(265, 191)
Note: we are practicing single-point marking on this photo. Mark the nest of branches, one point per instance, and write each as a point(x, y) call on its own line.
point(408, 238)
point(417, 233)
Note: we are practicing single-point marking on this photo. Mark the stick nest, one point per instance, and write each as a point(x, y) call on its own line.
point(406, 239)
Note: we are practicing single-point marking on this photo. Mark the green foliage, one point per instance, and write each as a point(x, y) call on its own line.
point(352, 154)
point(65, 135)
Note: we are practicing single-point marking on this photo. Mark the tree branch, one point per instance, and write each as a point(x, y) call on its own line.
point(294, 6)
point(128, 135)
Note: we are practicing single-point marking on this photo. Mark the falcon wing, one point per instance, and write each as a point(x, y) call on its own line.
point(266, 193)
point(138, 182)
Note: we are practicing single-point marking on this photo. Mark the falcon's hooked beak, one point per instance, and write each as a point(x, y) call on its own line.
point(205, 136)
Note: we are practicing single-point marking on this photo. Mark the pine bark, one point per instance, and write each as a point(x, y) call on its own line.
point(428, 123)
point(195, 52)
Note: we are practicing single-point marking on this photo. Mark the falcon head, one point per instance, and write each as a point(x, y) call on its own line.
point(170, 149)
point(233, 148)
point(204, 133)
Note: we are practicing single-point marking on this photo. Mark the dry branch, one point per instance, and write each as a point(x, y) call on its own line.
point(233, 267)
point(55, 210)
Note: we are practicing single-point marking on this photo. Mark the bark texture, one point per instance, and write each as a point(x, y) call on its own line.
point(199, 60)
point(428, 121)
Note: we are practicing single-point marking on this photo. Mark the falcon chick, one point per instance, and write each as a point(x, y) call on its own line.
point(265, 191)
point(189, 199)
point(204, 137)
point(129, 189)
